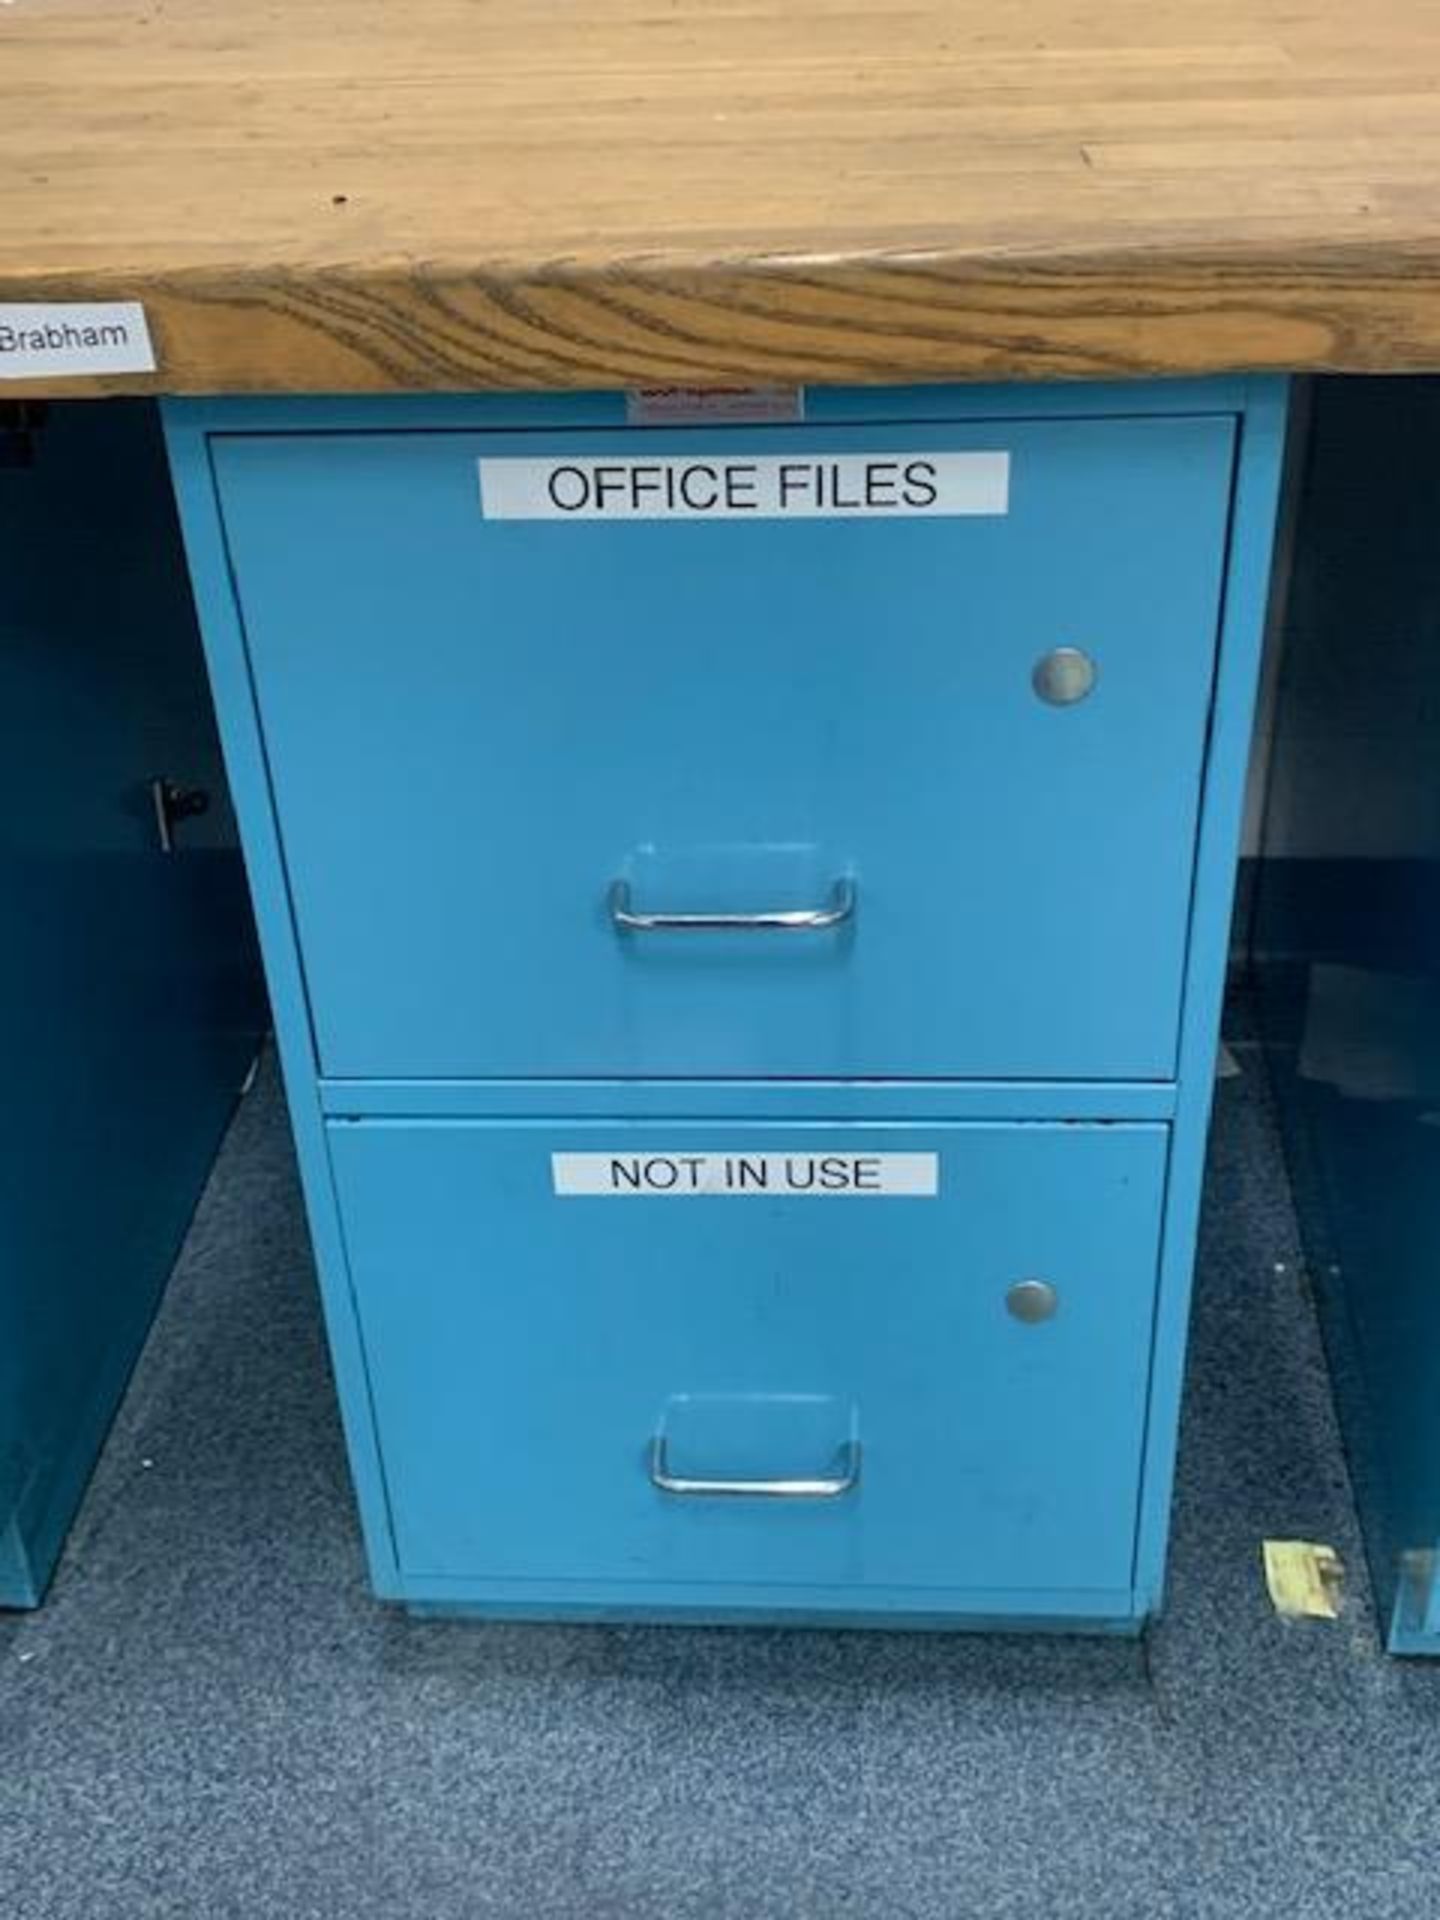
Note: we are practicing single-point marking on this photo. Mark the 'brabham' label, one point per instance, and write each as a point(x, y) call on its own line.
point(45, 338)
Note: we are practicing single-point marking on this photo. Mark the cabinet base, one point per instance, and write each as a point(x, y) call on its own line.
point(1092, 1613)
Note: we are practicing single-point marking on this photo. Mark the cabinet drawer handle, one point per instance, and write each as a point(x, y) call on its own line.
point(824, 1488)
point(839, 908)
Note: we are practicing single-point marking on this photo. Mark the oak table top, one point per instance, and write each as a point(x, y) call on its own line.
point(442, 194)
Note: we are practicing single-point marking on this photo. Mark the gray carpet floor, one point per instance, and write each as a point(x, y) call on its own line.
point(211, 1718)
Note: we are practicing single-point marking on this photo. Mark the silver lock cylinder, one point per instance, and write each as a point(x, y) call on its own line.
point(1032, 1301)
point(1064, 676)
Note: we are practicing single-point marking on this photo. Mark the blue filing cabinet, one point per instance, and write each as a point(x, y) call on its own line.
point(1346, 940)
point(130, 976)
point(755, 816)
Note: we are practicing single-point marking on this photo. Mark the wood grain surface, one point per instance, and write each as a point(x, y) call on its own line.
point(393, 194)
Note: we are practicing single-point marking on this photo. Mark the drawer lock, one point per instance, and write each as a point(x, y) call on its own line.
point(1064, 676)
point(1032, 1300)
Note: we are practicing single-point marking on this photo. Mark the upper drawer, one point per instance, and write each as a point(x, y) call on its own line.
point(475, 727)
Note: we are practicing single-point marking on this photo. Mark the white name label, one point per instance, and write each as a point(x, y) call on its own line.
point(685, 406)
point(60, 337)
point(725, 1175)
point(790, 486)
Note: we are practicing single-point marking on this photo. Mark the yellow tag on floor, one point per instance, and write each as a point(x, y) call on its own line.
point(1304, 1579)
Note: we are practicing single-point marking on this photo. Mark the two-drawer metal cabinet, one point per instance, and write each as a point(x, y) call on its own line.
point(755, 817)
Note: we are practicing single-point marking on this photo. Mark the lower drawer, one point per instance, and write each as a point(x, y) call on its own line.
point(584, 1386)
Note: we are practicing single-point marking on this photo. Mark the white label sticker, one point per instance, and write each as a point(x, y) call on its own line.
point(797, 486)
point(39, 338)
point(736, 1175)
point(688, 406)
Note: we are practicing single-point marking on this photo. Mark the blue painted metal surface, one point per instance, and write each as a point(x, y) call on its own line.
point(886, 1316)
point(1258, 475)
point(1347, 948)
point(426, 753)
point(130, 977)
point(729, 716)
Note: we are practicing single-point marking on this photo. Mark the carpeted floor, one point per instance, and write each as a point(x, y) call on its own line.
point(212, 1719)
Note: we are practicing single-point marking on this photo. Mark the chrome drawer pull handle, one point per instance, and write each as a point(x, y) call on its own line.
point(841, 907)
point(824, 1488)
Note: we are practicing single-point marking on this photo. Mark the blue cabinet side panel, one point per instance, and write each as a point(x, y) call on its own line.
point(1260, 465)
point(129, 977)
point(1347, 951)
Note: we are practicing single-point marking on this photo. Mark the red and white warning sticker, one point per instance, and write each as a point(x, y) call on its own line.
point(713, 406)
